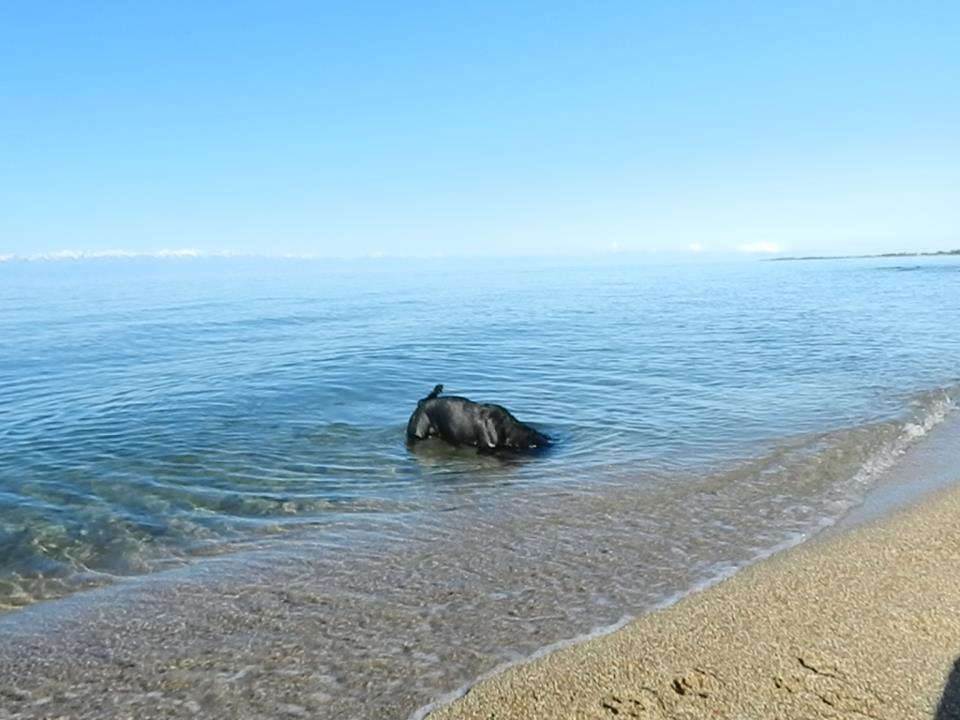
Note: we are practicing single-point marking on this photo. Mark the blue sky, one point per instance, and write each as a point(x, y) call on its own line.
point(496, 128)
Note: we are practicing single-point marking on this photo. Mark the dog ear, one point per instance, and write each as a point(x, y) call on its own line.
point(488, 437)
point(419, 425)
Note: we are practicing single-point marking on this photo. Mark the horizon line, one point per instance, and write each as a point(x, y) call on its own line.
point(196, 253)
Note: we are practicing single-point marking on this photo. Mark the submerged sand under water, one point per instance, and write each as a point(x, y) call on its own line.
point(398, 620)
point(157, 413)
point(865, 625)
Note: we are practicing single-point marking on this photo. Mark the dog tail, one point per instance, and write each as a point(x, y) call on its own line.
point(433, 393)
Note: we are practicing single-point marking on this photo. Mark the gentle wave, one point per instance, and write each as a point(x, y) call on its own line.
point(208, 502)
point(421, 606)
point(240, 424)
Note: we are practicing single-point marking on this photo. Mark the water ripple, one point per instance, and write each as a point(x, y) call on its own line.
point(147, 420)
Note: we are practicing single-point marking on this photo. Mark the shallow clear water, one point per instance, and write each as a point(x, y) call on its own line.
point(157, 414)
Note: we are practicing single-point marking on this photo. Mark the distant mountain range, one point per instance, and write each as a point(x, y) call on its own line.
point(939, 253)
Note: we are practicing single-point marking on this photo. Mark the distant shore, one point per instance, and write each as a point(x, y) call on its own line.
point(939, 253)
point(866, 624)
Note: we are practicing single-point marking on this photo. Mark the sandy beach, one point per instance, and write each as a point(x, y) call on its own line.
point(865, 624)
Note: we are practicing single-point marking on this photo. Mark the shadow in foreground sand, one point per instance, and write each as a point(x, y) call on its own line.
point(949, 707)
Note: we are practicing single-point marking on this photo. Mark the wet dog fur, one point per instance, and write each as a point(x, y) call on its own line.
point(460, 421)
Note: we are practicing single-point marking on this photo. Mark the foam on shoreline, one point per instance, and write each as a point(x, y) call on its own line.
point(389, 629)
point(861, 624)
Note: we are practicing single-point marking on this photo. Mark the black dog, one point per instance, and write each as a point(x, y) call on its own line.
point(463, 422)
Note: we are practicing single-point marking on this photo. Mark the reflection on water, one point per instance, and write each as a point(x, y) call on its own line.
point(241, 426)
point(377, 618)
point(154, 412)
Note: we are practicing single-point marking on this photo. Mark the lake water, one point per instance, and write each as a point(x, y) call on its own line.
point(220, 442)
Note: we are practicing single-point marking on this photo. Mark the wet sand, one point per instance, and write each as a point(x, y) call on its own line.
point(861, 625)
point(303, 629)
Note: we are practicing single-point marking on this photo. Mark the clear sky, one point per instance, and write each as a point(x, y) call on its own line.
point(489, 128)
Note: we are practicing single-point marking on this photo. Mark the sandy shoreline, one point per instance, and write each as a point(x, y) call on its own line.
point(864, 625)
point(294, 632)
